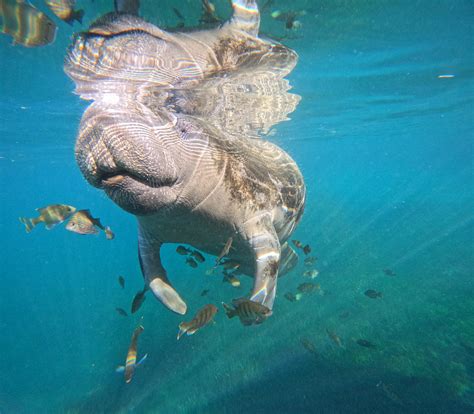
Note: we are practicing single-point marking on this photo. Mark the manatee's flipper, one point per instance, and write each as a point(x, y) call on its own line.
point(246, 16)
point(288, 259)
point(264, 242)
point(155, 275)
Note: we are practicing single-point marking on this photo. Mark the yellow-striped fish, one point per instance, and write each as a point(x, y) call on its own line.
point(334, 337)
point(130, 362)
point(249, 312)
point(82, 222)
point(64, 9)
point(225, 251)
point(202, 318)
point(50, 216)
point(26, 24)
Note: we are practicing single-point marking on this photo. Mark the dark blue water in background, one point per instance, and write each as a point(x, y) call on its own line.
point(385, 146)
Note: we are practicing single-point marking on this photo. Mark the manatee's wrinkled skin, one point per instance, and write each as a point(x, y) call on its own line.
point(171, 137)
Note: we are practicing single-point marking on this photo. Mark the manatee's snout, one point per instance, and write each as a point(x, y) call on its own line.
point(126, 159)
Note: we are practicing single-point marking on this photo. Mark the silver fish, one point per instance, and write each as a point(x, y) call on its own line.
point(225, 250)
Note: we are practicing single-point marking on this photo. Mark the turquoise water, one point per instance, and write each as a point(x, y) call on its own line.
point(385, 146)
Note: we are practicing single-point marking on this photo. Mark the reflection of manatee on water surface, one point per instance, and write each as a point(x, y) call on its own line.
point(172, 137)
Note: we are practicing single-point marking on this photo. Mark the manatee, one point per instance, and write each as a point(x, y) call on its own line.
point(175, 136)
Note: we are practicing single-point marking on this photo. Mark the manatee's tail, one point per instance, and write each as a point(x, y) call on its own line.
point(229, 311)
point(29, 223)
point(246, 16)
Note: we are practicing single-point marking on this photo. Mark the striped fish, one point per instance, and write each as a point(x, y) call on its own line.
point(64, 9)
point(26, 24)
point(225, 251)
point(49, 215)
point(130, 363)
point(248, 311)
point(202, 318)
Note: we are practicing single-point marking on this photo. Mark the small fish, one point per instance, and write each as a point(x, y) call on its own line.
point(309, 346)
point(293, 24)
point(230, 264)
point(202, 318)
point(308, 287)
point(183, 251)
point(365, 343)
point(310, 261)
point(390, 394)
point(127, 6)
point(191, 262)
point(389, 272)
point(313, 273)
point(64, 9)
point(445, 76)
point(249, 312)
point(307, 249)
point(121, 312)
point(373, 294)
point(211, 271)
point(290, 296)
point(297, 244)
point(231, 279)
point(178, 13)
point(288, 17)
point(50, 216)
point(121, 281)
point(139, 299)
point(130, 362)
point(82, 222)
point(225, 250)
point(290, 20)
point(298, 296)
point(334, 337)
point(26, 24)
point(198, 256)
point(344, 315)
point(205, 292)
point(209, 15)
point(237, 271)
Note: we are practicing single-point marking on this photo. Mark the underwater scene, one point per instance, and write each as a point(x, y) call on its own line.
point(237, 206)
